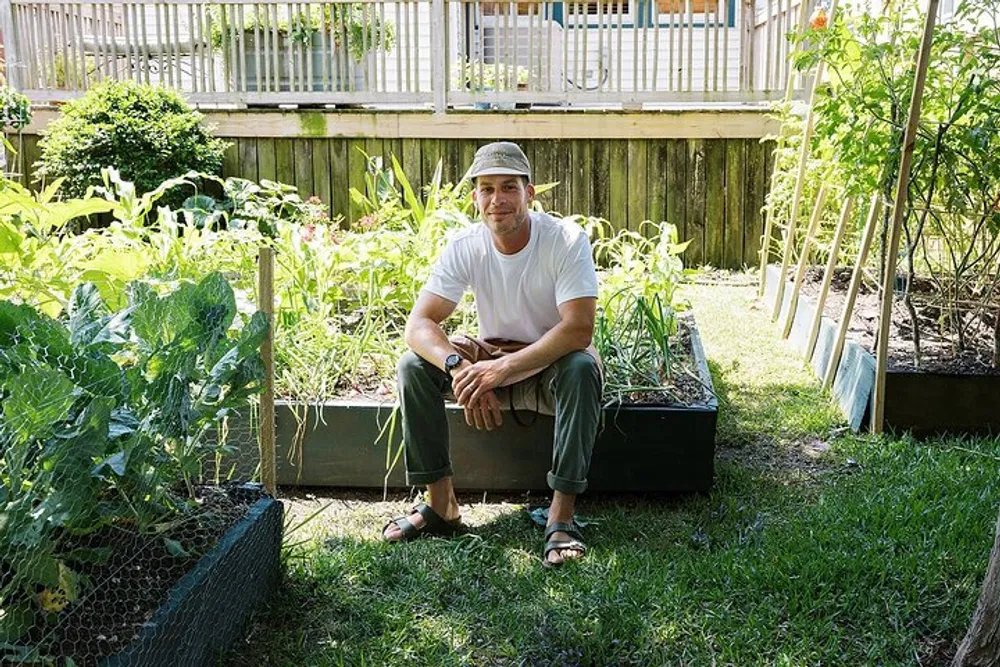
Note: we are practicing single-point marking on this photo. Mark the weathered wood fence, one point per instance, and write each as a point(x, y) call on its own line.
point(706, 172)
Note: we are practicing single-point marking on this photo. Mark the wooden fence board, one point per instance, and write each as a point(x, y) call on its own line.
point(582, 173)
point(356, 166)
point(248, 158)
point(637, 194)
point(715, 201)
point(775, 240)
point(756, 181)
point(231, 161)
point(675, 172)
point(284, 152)
point(321, 168)
point(600, 192)
point(732, 257)
point(431, 152)
point(544, 175)
point(412, 164)
point(656, 181)
point(467, 152)
point(695, 213)
point(619, 184)
point(303, 149)
point(340, 206)
point(374, 148)
point(266, 160)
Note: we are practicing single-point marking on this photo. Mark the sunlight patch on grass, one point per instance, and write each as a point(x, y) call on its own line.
point(766, 391)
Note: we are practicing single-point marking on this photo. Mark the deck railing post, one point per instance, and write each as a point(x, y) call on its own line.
point(747, 46)
point(13, 63)
point(439, 71)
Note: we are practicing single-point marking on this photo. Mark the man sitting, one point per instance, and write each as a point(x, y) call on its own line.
point(535, 289)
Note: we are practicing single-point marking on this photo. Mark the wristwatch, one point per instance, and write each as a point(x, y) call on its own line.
point(451, 362)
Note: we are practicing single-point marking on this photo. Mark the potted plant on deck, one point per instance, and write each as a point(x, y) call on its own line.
point(481, 78)
point(316, 49)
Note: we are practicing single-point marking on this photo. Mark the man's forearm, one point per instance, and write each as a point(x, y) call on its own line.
point(557, 342)
point(428, 340)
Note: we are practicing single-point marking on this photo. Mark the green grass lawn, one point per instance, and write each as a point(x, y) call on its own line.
point(815, 547)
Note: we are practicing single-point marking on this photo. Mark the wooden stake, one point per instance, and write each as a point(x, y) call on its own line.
point(831, 265)
point(852, 293)
point(800, 274)
point(902, 189)
point(265, 292)
point(765, 251)
point(799, 181)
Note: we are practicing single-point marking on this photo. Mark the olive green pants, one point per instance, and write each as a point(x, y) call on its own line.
point(571, 387)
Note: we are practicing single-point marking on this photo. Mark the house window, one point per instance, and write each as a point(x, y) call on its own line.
point(503, 8)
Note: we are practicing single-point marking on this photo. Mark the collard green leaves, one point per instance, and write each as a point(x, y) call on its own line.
point(102, 418)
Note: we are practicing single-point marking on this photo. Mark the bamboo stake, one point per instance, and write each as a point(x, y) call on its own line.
point(765, 251)
point(831, 265)
point(902, 189)
point(800, 177)
point(852, 293)
point(800, 274)
point(265, 292)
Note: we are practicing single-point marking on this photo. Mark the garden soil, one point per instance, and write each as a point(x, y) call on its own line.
point(127, 590)
point(939, 352)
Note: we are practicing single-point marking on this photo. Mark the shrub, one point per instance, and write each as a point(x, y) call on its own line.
point(148, 133)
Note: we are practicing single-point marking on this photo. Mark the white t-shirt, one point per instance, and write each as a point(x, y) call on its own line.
point(517, 296)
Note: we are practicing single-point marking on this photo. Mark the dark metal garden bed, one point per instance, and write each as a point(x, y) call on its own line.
point(209, 608)
point(639, 447)
point(924, 403)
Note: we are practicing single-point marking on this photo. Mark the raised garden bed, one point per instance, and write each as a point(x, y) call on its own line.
point(949, 395)
point(647, 447)
point(208, 609)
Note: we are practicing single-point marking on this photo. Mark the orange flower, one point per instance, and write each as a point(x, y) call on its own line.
point(818, 20)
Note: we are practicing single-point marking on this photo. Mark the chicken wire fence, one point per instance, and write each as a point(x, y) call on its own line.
point(128, 460)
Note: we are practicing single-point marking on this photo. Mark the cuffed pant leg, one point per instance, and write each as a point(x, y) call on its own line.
point(576, 384)
point(425, 426)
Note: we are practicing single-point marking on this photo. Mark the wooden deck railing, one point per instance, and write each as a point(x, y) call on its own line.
point(436, 53)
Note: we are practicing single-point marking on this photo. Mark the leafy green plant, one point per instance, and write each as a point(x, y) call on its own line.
point(103, 422)
point(244, 204)
point(951, 221)
point(478, 76)
point(35, 264)
point(15, 108)
point(637, 307)
point(363, 29)
point(148, 134)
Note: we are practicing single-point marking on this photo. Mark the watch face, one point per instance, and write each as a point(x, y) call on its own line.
point(451, 362)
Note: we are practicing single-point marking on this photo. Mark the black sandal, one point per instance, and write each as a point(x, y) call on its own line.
point(434, 524)
point(552, 544)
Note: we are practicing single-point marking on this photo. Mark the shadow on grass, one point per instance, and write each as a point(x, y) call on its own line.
point(880, 564)
point(485, 599)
